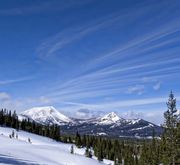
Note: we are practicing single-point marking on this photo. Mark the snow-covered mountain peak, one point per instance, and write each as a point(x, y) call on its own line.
point(46, 115)
point(112, 116)
point(109, 118)
point(40, 111)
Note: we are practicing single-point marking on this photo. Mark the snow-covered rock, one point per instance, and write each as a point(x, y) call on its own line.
point(45, 115)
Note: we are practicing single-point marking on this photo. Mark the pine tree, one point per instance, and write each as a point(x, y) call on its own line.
point(72, 149)
point(164, 151)
point(29, 140)
point(78, 140)
point(86, 151)
point(13, 134)
point(171, 119)
point(177, 158)
point(99, 150)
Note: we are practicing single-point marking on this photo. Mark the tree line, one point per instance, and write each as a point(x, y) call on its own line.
point(9, 119)
point(164, 150)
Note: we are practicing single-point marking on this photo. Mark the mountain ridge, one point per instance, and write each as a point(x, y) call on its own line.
point(108, 125)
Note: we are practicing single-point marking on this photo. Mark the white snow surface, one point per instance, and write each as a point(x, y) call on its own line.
point(41, 151)
point(133, 121)
point(101, 133)
point(149, 125)
point(178, 112)
point(47, 115)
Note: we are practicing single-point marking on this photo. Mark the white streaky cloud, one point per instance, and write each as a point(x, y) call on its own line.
point(11, 81)
point(131, 114)
point(9, 102)
point(115, 69)
point(44, 100)
point(127, 64)
point(143, 40)
point(66, 37)
point(157, 86)
point(103, 74)
point(139, 89)
point(42, 7)
point(99, 77)
point(154, 116)
point(4, 96)
point(110, 79)
point(86, 113)
point(24, 10)
point(120, 104)
point(57, 42)
point(87, 88)
point(12, 104)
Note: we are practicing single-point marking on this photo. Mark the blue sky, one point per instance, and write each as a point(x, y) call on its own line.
point(89, 57)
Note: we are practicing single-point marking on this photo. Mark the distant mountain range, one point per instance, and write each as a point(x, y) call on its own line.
point(109, 125)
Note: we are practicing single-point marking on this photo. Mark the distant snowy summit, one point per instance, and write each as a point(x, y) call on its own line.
point(49, 115)
point(114, 126)
point(45, 115)
point(110, 118)
point(108, 125)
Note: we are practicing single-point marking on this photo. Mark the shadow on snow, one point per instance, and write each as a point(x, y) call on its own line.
point(14, 161)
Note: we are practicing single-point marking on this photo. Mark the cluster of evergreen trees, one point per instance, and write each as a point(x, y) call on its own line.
point(9, 119)
point(164, 150)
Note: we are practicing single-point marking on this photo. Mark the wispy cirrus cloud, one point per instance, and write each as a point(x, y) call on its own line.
point(139, 89)
point(122, 72)
point(96, 86)
point(16, 80)
point(4, 96)
point(125, 65)
point(121, 104)
point(154, 116)
point(54, 44)
point(43, 7)
point(92, 54)
point(129, 109)
point(157, 86)
point(7, 101)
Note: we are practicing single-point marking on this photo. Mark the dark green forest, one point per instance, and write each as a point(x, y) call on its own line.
point(164, 150)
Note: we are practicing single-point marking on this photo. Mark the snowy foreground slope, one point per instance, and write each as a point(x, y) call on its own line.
point(41, 151)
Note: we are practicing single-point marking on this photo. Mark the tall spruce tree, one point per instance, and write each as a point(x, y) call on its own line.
point(171, 120)
point(78, 140)
point(177, 158)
